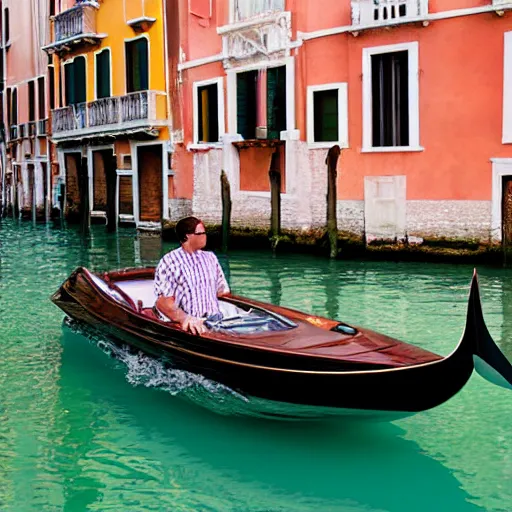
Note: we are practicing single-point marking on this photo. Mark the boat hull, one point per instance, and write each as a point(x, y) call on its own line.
point(286, 378)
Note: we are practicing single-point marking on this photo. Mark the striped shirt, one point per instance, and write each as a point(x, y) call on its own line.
point(194, 280)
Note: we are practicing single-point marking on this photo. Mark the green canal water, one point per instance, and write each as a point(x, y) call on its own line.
point(80, 430)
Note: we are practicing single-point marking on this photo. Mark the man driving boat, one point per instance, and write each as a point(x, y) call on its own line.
point(188, 280)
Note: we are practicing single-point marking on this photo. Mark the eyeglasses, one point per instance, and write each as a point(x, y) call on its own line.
point(199, 233)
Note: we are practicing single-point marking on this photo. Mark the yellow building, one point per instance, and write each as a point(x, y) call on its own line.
point(111, 121)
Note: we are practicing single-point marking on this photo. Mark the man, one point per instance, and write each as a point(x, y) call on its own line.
point(188, 280)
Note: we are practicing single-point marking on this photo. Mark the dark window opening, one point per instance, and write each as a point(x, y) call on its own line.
point(137, 65)
point(325, 108)
point(9, 107)
point(7, 27)
point(41, 97)
point(74, 74)
point(31, 101)
point(51, 86)
point(208, 114)
point(247, 104)
point(52, 7)
point(103, 74)
point(390, 99)
point(14, 107)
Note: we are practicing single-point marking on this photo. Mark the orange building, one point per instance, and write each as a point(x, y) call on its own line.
point(111, 118)
point(417, 93)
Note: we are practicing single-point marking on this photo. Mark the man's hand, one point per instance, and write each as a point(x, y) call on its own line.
point(193, 325)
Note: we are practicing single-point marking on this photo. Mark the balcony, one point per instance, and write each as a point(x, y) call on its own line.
point(74, 28)
point(502, 4)
point(367, 13)
point(142, 111)
point(261, 37)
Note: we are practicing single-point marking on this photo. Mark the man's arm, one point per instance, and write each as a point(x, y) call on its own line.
point(168, 306)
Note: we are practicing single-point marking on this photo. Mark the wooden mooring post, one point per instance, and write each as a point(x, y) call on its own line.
point(332, 223)
point(274, 175)
point(226, 210)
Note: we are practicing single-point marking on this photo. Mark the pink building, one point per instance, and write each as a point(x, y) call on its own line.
point(26, 100)
point(417, 93)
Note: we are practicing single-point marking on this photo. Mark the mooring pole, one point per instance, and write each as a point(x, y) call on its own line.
point(226, 210)
point(275, 199)
point(332, 223)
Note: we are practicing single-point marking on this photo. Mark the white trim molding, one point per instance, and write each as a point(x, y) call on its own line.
point(500, 167)
point(414, 122)
point(342, 88)
point(220, 110)
point(507, 89)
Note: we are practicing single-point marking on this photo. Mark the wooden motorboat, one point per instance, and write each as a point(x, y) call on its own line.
point(286, 356)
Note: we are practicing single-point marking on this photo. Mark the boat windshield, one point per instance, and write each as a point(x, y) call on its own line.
point(253, 321)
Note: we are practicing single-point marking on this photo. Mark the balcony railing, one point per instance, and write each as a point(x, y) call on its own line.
point(138, 109)
point(75, 26)
point(502, 4)
point(386, 12)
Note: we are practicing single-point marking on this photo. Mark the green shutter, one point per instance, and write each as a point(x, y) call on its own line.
point(80, 83)
point(325, 105)
point(142, 51)
point(70, 84)
point(276, 102)
point(246, 104)
point(103, 74)
point(137, 65)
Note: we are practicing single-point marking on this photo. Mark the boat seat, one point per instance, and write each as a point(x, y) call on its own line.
point(113, 291)
point(139, 290)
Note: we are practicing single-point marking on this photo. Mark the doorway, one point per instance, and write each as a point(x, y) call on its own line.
point(150, 165)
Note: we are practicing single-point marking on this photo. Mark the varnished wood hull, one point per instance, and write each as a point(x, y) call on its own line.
point(393, 376)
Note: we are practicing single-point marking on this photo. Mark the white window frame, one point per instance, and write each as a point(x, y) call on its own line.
point(507, 89)
point(413, 71)
point(342, 88)
point(196, 144)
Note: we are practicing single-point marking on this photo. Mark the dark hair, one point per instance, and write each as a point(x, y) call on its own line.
point(185, 227)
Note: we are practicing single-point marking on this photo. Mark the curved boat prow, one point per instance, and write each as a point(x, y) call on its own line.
point(488, 359)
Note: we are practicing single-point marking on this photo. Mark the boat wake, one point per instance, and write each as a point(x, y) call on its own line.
point(143, 370)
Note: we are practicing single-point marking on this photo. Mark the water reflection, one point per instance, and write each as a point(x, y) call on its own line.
point(239, 464)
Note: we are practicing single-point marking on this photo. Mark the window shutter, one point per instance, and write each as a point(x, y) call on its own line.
point(80, 83)
point(70, 84)
point(246, 104)
point(103, 74)
point(276, 101)
point(326, 115)
point(142, 54)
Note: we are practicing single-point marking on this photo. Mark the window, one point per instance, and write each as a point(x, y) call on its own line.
point(14, 107)
point(51, 86)
point(52, 7)
point(74, 75)
point(41, 97)
point(103, 74)
point(251, 111)
point(327, 114)
point(244, 9)
point(31, 101)
point(9, 106)
point(390, 98)
point(7, 27)
point(137, 68)
point(208, 113)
